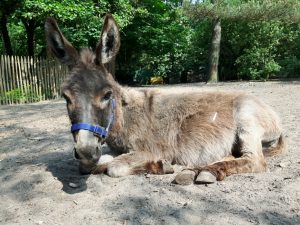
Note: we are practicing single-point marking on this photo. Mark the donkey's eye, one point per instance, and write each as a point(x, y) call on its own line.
point(107, 95)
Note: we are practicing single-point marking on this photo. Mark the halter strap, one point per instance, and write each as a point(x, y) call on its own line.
point(100, 131)
point(97, 130)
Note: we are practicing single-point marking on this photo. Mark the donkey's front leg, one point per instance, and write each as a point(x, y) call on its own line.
point(135, 163)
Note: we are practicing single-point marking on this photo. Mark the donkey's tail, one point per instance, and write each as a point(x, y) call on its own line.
point(275, 148)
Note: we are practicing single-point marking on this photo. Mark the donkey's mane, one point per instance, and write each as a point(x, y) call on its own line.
point(87, 57)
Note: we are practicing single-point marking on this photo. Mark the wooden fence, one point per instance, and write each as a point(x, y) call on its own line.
point(27, 79)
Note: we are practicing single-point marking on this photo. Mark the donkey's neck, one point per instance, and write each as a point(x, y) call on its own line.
point(133, 102)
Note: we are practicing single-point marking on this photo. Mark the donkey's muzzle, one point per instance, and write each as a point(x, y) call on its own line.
point(86, 168)
point(87, 157)
point(92, 155)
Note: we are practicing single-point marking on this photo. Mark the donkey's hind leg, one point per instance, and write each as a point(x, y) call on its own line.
point(251, 160)
point(135, 163)
point(189, 176)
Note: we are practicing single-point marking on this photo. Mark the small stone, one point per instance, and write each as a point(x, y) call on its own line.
point(147, 175)
point(282, 165)
point(185, 177)
point(73, 185)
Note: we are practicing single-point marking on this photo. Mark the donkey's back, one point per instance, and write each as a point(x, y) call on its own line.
point(196, 128)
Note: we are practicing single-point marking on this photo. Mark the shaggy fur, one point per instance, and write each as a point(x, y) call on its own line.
point(197, 129)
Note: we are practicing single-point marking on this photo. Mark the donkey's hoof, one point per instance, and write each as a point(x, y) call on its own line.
point(167, 167)
point(185, 177)
point(205, 177)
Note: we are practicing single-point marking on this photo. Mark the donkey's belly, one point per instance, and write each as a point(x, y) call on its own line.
point(200, 153)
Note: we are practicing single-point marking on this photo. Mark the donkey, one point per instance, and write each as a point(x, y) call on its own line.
point(213, 133)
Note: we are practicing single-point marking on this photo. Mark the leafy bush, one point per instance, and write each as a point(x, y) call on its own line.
point(19, 96)
point(254, 66)
point(252, 49)
point(142, 76)
point(15, 96)
point(290, 67)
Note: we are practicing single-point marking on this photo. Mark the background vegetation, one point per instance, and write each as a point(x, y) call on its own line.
point(172, 39)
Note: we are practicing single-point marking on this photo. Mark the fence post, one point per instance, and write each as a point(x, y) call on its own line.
point(2, 81)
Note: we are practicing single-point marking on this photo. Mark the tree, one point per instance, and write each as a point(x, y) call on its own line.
point(7, 7)
point(162, 38)
point(233, 10)
point(34, 12)
point(155, 43)
point(215, 48)
point(29, 17)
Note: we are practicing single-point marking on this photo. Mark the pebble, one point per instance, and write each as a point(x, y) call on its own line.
point(73, 185)
point(282, 165)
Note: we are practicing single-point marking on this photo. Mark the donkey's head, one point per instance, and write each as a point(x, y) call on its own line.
point(89, 90)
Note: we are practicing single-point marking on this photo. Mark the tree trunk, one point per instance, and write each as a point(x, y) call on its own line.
point(215, 51)
point(5, 35)
point(30, 27)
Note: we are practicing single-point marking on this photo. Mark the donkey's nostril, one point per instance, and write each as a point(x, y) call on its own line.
point(75, 154)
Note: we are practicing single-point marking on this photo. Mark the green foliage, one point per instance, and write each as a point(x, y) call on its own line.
point(81, 21)
point(260, 38)
point(288, 51)
point(18, 38)
point(257, 60)
point(142, 76)
point(248, 10)
point(256, 50)
point(158, 40)
point(256, 36)
point(7, 7)
point(290, 67)
point(20, 96)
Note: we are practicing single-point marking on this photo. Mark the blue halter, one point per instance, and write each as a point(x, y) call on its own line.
point(97, 130)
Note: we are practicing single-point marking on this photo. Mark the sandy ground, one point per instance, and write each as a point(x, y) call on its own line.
point(36, 167)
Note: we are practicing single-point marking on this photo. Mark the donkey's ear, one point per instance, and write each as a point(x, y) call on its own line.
point(59, 45)
point(109, 44)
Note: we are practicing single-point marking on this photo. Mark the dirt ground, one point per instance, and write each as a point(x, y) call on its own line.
point(36, 168)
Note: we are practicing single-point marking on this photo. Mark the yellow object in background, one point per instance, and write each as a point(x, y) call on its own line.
point(156, 80)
